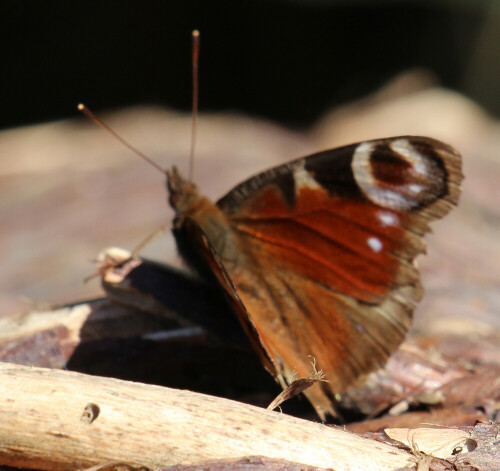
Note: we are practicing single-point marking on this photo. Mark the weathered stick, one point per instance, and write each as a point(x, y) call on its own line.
point(51, 419)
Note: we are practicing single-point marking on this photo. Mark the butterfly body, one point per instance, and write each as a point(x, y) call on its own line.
point(316, 256)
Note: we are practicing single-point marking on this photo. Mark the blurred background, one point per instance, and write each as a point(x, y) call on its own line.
point(278, 79)
point(289, 61)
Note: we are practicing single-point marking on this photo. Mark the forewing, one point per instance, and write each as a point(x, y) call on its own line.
point(328, 243)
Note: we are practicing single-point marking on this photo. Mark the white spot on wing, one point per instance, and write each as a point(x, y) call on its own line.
point(415, 188)
point(387, 218)
point(303, 178)
point(375, 244)
point(390, 199)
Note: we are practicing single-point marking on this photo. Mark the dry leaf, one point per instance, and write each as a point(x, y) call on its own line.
point(438, 442)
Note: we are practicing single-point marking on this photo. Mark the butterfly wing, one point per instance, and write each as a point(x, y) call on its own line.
point(317, 255)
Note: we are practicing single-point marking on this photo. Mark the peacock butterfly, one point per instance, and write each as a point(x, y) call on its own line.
point(317, 256)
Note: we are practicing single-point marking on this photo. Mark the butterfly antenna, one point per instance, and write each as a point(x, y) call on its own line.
point(147, 240)
point(86, 111)
point(196, 55)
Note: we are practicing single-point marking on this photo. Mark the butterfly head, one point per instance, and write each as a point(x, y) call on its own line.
point(183, 194)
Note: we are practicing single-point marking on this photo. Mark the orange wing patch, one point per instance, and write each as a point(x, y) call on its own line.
point(340, 243)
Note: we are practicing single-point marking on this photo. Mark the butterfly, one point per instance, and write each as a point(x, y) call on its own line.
point(316, 256)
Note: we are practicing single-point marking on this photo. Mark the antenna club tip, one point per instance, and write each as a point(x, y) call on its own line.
point(196, 33)
point(81, 106)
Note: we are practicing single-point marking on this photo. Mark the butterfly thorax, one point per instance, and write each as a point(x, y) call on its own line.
point(198, 217)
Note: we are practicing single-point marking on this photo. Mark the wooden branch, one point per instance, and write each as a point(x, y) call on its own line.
point(51, 420)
